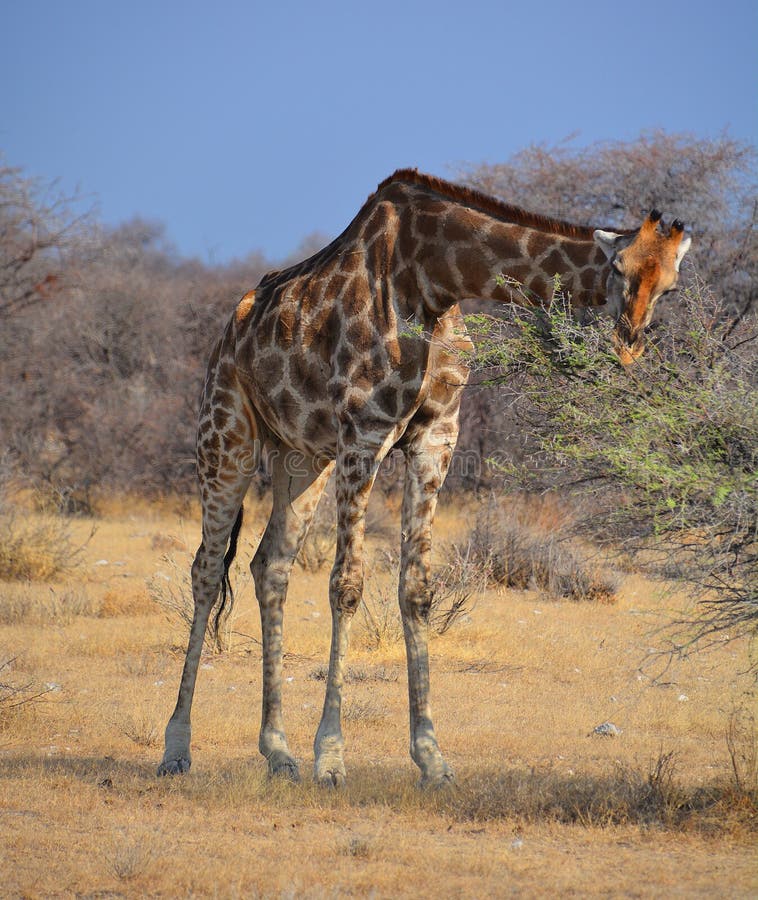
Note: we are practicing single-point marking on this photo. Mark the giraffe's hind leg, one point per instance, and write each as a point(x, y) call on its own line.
point(297, 487)
point(226, 460)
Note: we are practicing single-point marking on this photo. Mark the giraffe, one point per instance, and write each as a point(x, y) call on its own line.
point(319, 364)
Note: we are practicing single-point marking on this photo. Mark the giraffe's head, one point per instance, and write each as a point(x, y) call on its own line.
point(644, 265)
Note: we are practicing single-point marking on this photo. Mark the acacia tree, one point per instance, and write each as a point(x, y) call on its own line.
point(667, 449)
point(132, 339)
point(104, 335)
point(40, 235)
point(708, 183)
point(39, 231)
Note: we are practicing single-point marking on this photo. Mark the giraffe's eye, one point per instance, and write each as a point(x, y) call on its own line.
point(617, 269)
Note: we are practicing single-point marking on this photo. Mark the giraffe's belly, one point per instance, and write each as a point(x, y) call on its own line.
point(371, 418)
point(306, 405)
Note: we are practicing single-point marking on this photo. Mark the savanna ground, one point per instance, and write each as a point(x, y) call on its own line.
point(542, 805)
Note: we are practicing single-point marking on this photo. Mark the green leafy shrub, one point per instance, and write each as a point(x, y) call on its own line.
point(667, 448)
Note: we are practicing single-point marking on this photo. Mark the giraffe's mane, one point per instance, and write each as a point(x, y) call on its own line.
point(456, 193)
point(459, 193)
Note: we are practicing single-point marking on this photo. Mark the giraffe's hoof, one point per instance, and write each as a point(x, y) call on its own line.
point(282, 766)
point(333, 778)
point(174, 766)
point(439, 780)
point(331, 774)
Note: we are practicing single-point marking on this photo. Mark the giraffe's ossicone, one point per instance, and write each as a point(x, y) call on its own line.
point(333, 362)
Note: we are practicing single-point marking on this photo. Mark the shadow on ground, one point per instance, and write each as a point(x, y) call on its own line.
point(625, 796)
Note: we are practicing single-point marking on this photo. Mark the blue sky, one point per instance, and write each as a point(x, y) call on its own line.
point(246, 126)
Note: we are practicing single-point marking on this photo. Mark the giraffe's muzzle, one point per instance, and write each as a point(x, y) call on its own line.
point(628, 346)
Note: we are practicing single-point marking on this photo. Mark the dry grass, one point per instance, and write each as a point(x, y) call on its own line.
point(26, 605)
point(321, 540)
point(18, 692)
point(34, 547)
point(526, 543)
point(542, 806)
point(170, 589)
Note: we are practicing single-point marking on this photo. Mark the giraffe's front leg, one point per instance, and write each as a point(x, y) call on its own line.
point(329, 766)
point(355, 477)
point(425, 472)
point(271, 588)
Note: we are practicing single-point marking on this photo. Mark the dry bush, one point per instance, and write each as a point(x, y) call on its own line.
point(318, 547)
point(129, 858)
point(29, 607)
point(380, 617)
point(523, 544)
point(358, 848)
point(451, 604)
point(34, 550)
point(452, 588)
point(358, 674)
point(142, 729)
point(134, 600)
point(32, 547)
point(364, 711)
point(16, 692)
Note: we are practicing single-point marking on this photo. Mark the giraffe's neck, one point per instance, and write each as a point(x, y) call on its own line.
point(459, 252)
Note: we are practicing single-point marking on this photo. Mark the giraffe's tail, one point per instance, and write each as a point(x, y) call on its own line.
point(227, 594)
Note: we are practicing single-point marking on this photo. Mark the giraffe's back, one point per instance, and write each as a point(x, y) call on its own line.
point(331, 348)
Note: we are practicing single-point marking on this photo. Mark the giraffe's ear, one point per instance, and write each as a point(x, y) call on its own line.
point(606, 240)
point(683, 247)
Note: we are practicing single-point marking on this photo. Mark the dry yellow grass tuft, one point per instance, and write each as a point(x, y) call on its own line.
point(34, 547)
point(544, 805)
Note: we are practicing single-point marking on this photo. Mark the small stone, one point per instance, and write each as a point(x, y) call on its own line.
point(607, 729)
